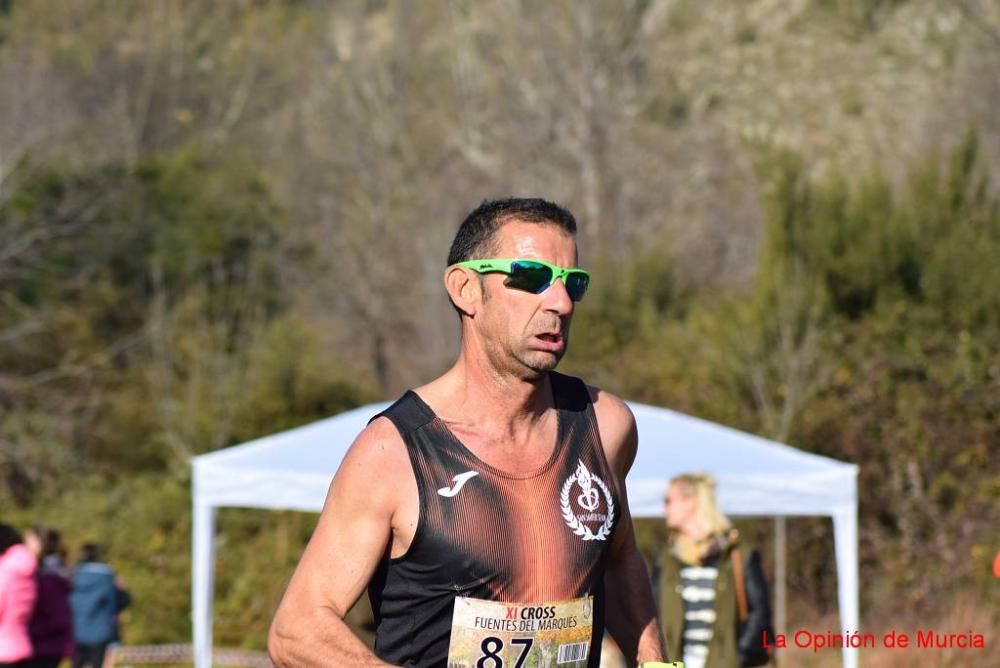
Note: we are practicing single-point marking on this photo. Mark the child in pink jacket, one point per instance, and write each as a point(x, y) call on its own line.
point(18, 589)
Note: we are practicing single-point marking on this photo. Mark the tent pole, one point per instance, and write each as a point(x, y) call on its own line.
point(845, 532)
point(780, 581)
point(203, 581)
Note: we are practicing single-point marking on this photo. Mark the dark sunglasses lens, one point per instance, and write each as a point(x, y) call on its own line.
point(576, 285)
point(529, 276)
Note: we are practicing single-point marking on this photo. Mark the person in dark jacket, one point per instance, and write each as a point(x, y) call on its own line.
point(703, 587)
point(96, 602)
point(51, 625)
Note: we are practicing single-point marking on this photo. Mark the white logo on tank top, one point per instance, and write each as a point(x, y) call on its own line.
point(460, 481)
point(589, 499)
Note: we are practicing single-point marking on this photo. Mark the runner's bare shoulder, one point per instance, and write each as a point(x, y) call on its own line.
point(375, 467)
point(616, 425)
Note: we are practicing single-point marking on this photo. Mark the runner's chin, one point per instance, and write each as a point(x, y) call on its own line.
point(544, 358)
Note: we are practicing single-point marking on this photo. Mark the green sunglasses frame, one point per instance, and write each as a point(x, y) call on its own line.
point(503, 266)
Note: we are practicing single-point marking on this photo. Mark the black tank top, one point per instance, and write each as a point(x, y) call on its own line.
point(486, 534)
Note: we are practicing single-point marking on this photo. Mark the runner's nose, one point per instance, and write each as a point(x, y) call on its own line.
point(557, 299)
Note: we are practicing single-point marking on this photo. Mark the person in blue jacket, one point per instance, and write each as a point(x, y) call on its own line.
point(96, 601)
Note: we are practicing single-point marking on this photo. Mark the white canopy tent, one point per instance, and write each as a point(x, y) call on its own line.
point(756, 477)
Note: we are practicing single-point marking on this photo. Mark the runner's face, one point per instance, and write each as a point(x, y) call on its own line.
point(525, 333)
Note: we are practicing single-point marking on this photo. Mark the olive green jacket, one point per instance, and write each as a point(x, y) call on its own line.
point(722, 650)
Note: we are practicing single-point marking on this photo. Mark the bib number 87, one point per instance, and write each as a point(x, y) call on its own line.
point(492, 646)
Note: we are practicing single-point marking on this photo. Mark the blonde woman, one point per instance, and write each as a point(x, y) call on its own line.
point(703, 585)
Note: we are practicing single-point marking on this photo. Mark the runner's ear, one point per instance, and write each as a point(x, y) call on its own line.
point(464, 289)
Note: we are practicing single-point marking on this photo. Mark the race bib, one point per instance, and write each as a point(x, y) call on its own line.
point(487, 634)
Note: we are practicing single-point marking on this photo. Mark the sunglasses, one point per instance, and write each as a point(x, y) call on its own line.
point(533, 276)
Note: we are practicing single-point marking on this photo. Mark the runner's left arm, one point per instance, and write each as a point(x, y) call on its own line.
point(631, 610)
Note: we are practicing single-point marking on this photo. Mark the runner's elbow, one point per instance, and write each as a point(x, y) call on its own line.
point(280, 640)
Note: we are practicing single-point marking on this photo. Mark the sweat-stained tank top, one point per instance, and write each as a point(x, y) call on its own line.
point(486, 534)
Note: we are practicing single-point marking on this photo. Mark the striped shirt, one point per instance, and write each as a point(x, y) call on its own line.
point(698, 594)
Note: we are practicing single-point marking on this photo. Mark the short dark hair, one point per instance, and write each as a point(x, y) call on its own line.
point(50, 539)
point(476, 235)
point(8, 537)
point(90, 552)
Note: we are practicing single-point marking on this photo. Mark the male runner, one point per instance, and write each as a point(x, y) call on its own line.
point(484, 511)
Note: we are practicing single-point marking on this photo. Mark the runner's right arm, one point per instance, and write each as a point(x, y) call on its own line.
point(631, 610)
point(350, 539)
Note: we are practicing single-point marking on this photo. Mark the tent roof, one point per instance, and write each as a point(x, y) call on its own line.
point(293, 469)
